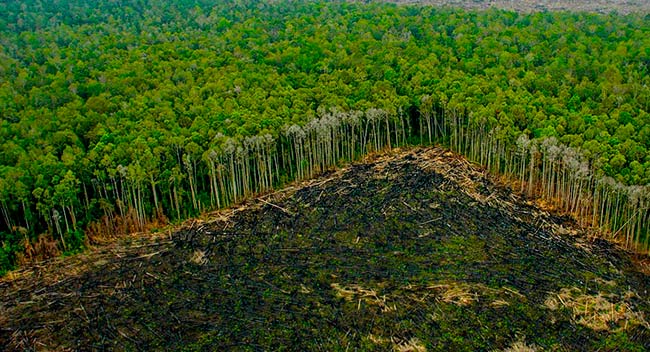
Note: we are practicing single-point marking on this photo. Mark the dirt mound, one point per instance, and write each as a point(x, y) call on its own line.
point(410, 252)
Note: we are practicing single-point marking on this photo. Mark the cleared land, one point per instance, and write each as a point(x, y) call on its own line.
point(600, 6)
point(412, 251)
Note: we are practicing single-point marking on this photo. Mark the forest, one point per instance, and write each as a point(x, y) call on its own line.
point(125, 115)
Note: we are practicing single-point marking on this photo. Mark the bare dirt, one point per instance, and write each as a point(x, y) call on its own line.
point(412, 251)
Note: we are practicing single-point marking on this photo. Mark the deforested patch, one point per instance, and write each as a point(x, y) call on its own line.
point(599, 311)
point(356, 293)
point(409, 251)
point(411, 345)
point(199, 257)
point(521, 346)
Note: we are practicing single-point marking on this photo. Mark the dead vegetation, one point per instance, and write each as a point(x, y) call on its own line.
point(413, 251)
point(600, 311)
point(521, 346)
point(368, 296)
point(412, 345)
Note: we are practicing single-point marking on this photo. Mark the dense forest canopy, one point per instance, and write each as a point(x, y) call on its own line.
point(148, 109)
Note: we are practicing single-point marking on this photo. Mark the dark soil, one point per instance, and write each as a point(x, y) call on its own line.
point(410, 252)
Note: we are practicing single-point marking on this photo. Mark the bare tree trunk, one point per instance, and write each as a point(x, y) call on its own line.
point(155, 195)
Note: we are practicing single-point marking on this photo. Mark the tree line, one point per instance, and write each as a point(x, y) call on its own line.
point(122, 114)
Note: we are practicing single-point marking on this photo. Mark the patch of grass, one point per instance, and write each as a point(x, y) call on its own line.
point(620, 341)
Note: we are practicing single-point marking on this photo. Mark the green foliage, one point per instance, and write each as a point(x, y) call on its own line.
point(620, 341)
point(75, 242)
point(5, 260)
point(9, 247)
point(109, 108)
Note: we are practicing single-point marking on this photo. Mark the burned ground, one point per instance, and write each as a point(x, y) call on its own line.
point(413, 251)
